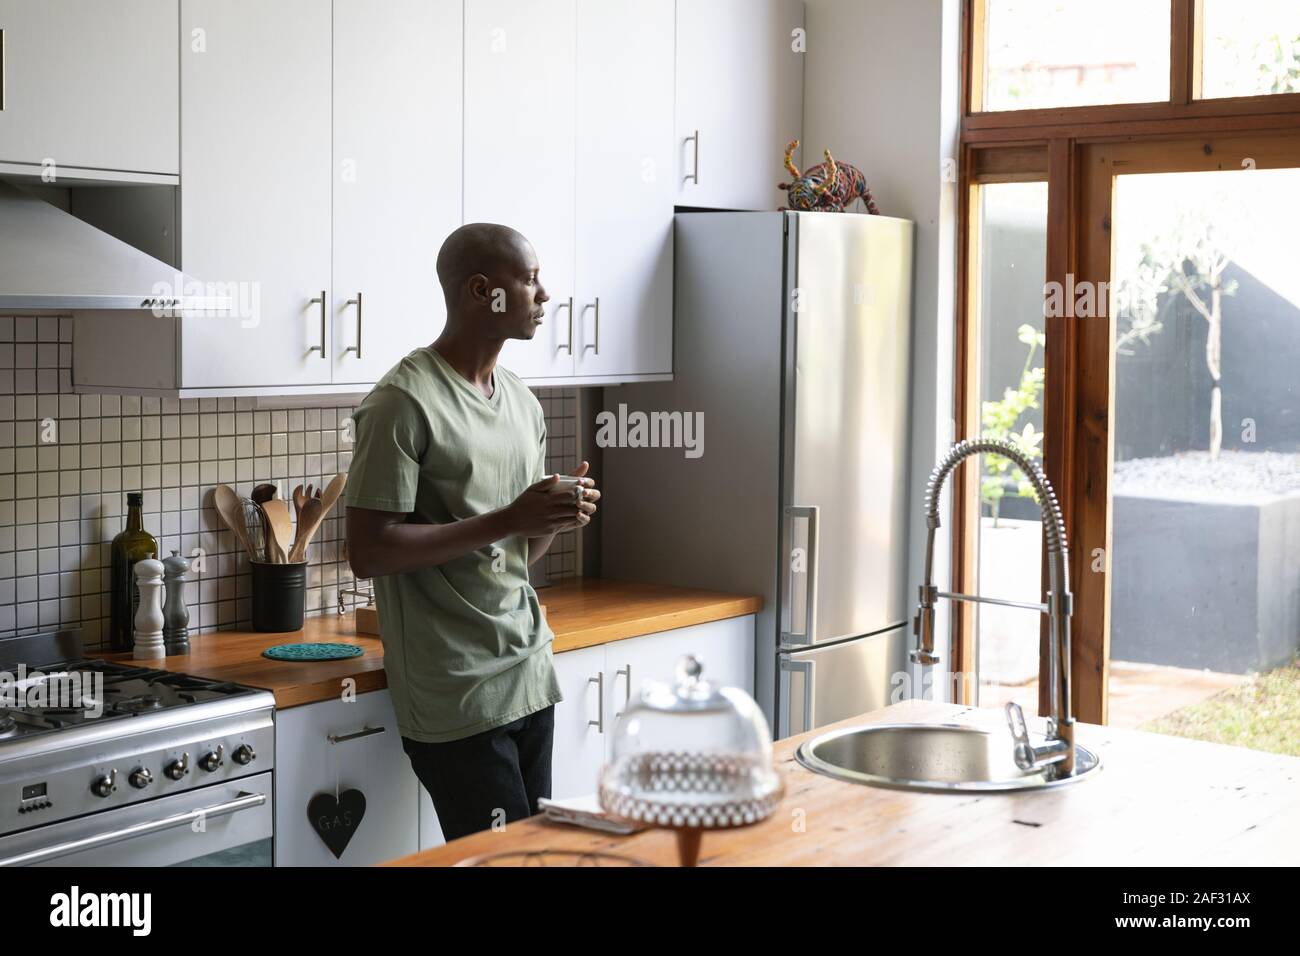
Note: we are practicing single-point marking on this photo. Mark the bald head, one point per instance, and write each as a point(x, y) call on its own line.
point(479, 248)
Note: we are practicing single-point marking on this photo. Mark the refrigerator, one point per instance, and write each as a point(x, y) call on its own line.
point(791, 360)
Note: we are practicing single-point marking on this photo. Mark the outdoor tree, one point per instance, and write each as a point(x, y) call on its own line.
point(1187, 258)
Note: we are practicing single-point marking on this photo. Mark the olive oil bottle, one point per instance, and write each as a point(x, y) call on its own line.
point(132, 545)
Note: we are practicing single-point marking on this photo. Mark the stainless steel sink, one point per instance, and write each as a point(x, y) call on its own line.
point(943, 758)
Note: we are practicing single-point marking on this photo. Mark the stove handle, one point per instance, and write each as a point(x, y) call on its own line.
point(245, 801)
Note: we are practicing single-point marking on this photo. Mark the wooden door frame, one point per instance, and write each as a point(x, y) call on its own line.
point(1090, 458)
point(1084, 147)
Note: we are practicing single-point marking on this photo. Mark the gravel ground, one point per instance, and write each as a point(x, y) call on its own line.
point(1247, 472)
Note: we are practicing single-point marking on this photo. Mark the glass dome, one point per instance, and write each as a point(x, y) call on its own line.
point(691, 756)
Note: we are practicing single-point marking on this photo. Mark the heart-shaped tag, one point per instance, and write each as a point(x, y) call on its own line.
point(336, 820)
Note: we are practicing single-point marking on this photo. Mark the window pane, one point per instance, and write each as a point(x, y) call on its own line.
point(1013, 264)
point(1043, 53)
point(1250, 47)
point(1205, 492)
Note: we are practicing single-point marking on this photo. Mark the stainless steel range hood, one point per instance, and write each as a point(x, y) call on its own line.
point(50, 259)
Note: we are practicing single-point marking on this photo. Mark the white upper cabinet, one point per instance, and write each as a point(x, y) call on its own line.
point(90, 84)
point(519, 153)
point(739, 100)
point(255, 190)
point(626, 173)
point(397, 175)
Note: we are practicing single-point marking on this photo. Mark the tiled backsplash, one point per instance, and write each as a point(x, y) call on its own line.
point(67, 462)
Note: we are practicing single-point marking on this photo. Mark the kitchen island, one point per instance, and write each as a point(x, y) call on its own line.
point(1156, 801)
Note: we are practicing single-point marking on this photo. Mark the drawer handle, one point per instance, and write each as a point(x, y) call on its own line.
point(363, 732)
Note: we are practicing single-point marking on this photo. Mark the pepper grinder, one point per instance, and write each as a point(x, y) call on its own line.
point(176, 616)
point(149, 617)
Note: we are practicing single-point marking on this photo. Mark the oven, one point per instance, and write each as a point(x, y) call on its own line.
point(224, 824)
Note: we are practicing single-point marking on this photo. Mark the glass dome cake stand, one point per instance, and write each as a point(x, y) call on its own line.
point(691, 757)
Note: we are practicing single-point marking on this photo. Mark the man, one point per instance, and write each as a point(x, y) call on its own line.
point(446, 512)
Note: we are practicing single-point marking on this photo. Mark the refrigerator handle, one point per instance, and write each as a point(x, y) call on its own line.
point(805, 636)
point(806, 669)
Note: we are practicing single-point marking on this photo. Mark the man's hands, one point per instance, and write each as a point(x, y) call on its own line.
point(546, 508)
point(384, 542)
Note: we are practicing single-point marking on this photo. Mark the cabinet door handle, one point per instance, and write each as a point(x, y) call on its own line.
point(599, 681)
point(694, 175)
point(355, 348)
point(357, 735)
point(625, 672)
point(321, 302)
point(566, 346)
point(3, 62)
point(595, 305)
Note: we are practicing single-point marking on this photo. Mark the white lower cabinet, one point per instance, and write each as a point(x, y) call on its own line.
point(337, 746)
point(580, 726)
point(614, 673)
point(331, 748)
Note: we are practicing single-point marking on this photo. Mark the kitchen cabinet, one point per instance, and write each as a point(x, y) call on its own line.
point(397, 173)
point(321, 172)
point(520, 124)
point(90, 85)
point(598, 682)
point(625, 170)
point(332, 747)
point(255, 194)
point(739, 100)
point(574, 149)
point(580, 728)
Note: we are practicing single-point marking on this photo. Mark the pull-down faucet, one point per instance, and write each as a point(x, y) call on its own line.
point(1059, 748)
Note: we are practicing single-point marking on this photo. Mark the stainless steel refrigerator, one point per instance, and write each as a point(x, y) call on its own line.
point(792, 335)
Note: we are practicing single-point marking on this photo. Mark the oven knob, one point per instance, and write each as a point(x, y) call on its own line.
point(244, 755)
point(140, 778)
point(105, 785)
point(178, 768)
point(211, 760)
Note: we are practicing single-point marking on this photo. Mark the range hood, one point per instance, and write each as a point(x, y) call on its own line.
point(50, 259)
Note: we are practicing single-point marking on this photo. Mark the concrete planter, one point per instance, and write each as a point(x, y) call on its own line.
point(1205, 583)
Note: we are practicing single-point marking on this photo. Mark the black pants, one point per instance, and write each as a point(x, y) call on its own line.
point(493, 777)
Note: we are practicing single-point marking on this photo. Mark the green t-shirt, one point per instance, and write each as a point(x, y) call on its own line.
point(465, 645)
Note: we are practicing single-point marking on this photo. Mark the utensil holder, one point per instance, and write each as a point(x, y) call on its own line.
point(279, 591)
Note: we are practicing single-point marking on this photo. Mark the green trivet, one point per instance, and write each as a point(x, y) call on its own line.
point(312, 652)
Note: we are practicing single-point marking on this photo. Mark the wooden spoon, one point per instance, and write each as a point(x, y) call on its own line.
point(264, 492)
point(312, 518)
point(277, 517)
point(232, 513)
point(333, 490)
point(312, 515)
point(299, 499)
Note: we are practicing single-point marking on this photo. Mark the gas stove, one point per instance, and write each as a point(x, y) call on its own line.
point(115, 763)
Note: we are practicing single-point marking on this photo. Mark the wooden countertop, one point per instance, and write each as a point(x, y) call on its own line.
point(582, 612)
point(1156, 801)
